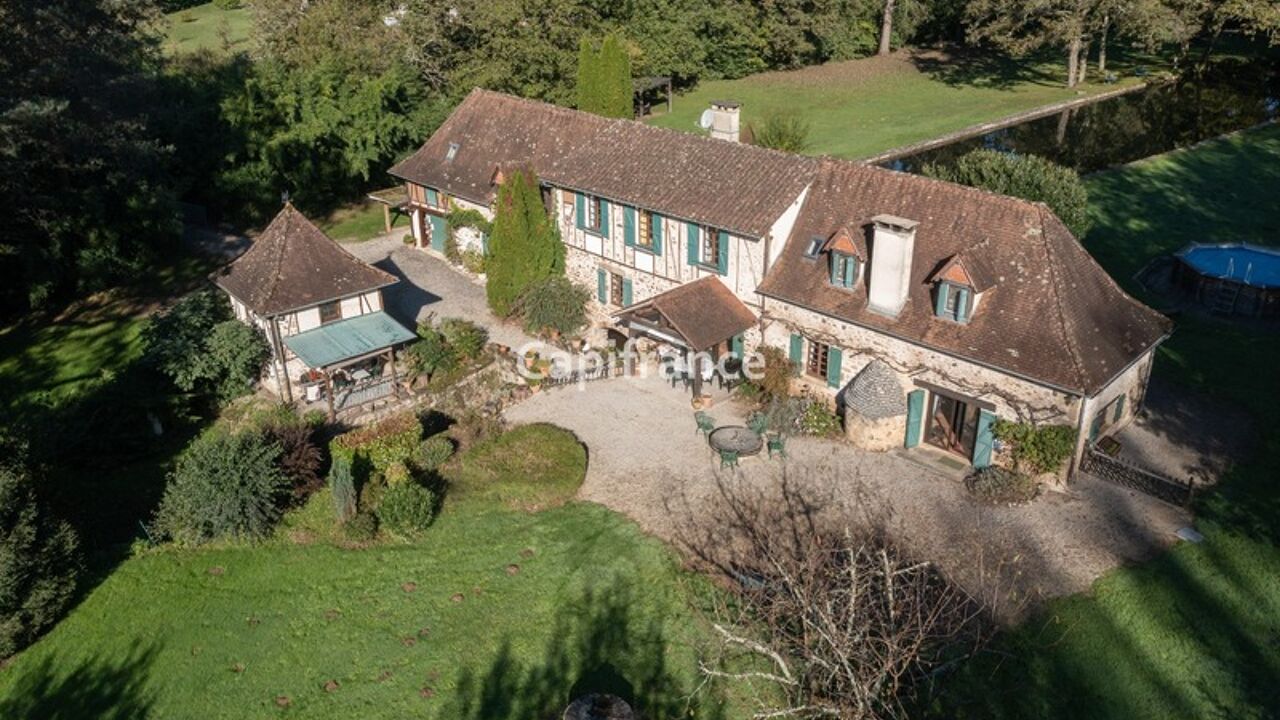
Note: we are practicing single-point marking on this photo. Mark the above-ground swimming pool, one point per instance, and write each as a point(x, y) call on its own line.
point(1231, 279)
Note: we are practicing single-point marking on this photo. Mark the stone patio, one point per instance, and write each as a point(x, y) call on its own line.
point(647, 460)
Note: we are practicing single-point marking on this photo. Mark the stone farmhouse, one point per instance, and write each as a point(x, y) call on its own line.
point(923, 309)
point(320, 309)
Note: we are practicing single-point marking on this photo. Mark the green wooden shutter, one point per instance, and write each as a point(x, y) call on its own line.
point(850, 271)
point(797, 349)
point(962, 304)
point(604, 217)
point(602, 286)
point(915, 417)
point(722, 262)
point(1119, 409)
point(984, 440)
point(835, 269)
point(626, 291)
point(439, 229)
point(580, 204)
point(691, 232)
point(833, 366)
point(655, 222)
point(735, 345)
point(433, 198)
point(629, 225)
point(941, 308)
point(1096, 427)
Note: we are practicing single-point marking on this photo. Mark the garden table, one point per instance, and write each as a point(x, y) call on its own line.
point(736, 438)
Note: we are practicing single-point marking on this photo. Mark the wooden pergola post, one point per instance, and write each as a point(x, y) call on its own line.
point(386, 217)
point(391, 353)
point(328, 394)
point(696, 368)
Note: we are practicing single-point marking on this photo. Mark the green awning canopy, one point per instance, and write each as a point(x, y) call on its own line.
point(347, 339)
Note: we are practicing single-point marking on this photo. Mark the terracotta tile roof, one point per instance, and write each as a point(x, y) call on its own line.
point(1050, 314)
point(491, 131)
point(731, 186)
point(293, 265)
point(703, 312)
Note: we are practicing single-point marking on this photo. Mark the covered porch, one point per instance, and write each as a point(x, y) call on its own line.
point(697, 328)
point(350, 362)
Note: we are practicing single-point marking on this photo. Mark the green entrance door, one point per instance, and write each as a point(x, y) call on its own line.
point(438, 230)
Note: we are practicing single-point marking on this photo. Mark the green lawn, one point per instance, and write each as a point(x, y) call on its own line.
point(1196, 633)
point(208, 27)
point(494, 613)
point(859, 108)
point(364, 221)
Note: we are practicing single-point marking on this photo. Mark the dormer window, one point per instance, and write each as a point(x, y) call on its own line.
point(844, 270)
point(953, 301)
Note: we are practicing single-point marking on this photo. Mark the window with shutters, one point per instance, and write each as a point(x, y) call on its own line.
point(710, 246)
point(818, 354)
point(953, 302)
point(593, 213)
point(615, 290)
point(645, 237)
point(844, 270)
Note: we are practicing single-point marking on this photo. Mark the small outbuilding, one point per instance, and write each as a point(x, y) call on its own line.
point(875, 405)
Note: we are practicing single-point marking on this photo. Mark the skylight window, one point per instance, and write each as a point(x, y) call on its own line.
point(453, 151)
point(815, 247)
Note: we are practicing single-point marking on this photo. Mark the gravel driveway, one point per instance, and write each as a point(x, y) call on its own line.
point(430, 285)
point(647, 460)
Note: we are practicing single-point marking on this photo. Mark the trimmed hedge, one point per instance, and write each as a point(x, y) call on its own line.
point(406, 509)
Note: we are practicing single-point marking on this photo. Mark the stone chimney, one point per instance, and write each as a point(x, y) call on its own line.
point(893, 241)
point(724, 120)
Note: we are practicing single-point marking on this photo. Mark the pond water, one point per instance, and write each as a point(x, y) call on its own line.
point(1230, 95)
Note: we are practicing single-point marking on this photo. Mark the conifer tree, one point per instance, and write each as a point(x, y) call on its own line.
point(616, 67)
point(588, 77)
point(525, 245)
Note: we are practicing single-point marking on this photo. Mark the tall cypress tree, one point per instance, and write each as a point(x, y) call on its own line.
point(588, 76)
point(525, 245)
point(615, 63)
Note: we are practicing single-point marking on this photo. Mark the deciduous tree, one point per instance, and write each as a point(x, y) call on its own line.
point(1025, 176)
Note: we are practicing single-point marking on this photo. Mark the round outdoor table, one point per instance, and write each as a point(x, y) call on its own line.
point(736, 438)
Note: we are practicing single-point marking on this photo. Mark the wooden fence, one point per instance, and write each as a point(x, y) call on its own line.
point(1127, 474)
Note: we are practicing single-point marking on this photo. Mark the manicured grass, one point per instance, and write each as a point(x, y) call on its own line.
point(1196, 633)
point(492, 614)
point(361, 222)
point(208, 27)
point(862, 107)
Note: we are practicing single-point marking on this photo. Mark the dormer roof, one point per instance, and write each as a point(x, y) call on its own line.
point(842, 241)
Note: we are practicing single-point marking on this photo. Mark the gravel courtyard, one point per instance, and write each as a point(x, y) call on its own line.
point(433, 287)
point(647, 460)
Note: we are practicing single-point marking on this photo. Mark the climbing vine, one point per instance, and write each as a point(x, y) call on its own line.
point(457, 219)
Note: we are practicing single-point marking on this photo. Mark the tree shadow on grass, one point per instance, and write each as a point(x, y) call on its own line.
point(985, 68)
point(597, 645)
point(94, 688)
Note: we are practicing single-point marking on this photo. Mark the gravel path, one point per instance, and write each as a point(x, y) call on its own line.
point(647, 461)
point(433, 287)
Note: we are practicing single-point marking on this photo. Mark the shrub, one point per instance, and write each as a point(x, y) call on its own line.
point(434, 452)
point(362, 527)
point(553, 304)
point(1002, 486)
point(1025, 176)
point(406, 509)
point(202, 349)
point(818, 419)
point(397, 473)
point(300, 458)
point(466, 338)
point(376, 447)
point(225, 485)
point(775, 377)
point(786, 131)
point(473, 261)
point(431, 353)
point(39, 563)
point(342, 483)
point(1036, 448)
